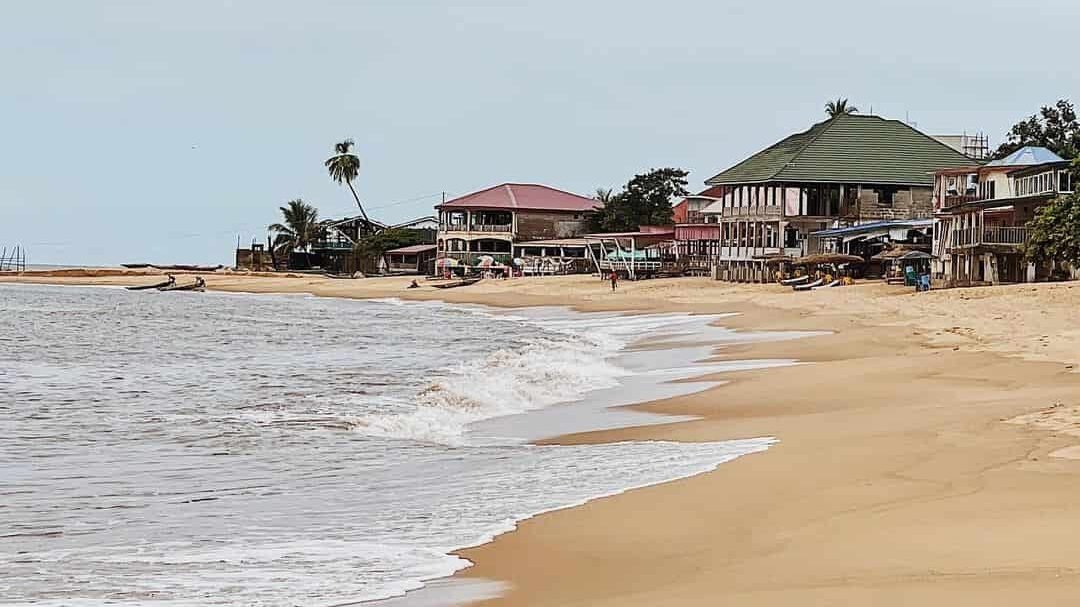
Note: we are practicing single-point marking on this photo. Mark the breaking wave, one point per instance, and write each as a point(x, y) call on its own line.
point(543, 372)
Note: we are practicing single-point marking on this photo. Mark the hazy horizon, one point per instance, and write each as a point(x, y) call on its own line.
point(160, 132)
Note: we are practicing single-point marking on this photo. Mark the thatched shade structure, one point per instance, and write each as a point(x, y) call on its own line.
point(828, 259)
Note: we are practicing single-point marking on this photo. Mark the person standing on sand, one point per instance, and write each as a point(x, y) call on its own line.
point(614, 278)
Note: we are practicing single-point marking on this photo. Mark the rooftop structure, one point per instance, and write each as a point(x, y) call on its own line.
point(849, 149)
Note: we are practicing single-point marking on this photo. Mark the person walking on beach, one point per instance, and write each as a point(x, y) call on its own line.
point(614, 278)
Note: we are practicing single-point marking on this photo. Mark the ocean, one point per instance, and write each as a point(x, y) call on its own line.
point(232, 449)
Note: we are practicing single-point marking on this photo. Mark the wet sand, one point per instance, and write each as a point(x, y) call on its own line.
point(927, 452)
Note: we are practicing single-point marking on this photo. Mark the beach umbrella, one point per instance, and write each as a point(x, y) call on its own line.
point(446, 262)
point(518, 261)
point(486, 261)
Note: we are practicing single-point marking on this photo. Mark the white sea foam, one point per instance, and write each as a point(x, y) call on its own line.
point(179, 491)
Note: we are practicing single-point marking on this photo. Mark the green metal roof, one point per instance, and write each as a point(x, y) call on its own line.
point(849, 149)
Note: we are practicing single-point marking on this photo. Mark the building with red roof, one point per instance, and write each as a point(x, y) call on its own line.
point(490, 221)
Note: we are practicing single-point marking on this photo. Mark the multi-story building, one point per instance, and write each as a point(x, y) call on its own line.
point(491, 221)
point(981, 214)
point(845, 171)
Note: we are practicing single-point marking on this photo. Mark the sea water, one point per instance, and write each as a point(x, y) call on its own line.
point(213, 449)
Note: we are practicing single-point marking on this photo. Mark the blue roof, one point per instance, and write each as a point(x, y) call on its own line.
point(876, 226)
point(1027, 156)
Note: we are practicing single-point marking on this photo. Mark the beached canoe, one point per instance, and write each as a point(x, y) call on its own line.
point(158, 285)
point(458, 283)
point(809, 286)
point(190, 287)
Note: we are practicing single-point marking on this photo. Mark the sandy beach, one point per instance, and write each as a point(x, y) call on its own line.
point(927, 450)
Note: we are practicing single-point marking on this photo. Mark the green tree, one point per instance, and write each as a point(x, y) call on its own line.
point(644, 200)
point(1054, 233)
point(1055, 127)
point(343, 167)
point(838, 107)
point(300, 230)
point(376, 245)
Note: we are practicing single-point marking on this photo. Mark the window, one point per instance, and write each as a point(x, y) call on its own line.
point(886, 196)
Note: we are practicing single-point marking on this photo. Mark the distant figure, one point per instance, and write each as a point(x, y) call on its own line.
point(614, 278)
point(172, 279)
point(199, 282)
point(413, 285)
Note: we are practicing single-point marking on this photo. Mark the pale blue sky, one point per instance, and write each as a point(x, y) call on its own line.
point(103, 101)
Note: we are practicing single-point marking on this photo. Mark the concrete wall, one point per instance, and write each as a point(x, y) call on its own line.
point(539, 225)
point(907, 203)
point(245, 260)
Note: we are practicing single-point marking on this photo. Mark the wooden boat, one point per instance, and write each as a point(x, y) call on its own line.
point(158, 285)
point(190, 287)
point(835, 283)
point(458, 283)
point(341, 276)
point(809, 286)
point(794, 281)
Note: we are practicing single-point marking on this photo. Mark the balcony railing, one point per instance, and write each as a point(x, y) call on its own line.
point(751, 211)
point(894, 214)
point(453, 227)
point(1005, 235)
point(998, 235)
point(952, 200)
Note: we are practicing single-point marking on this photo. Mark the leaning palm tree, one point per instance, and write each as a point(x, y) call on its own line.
point(343, 167)
point(838, 107)
point(301, 228)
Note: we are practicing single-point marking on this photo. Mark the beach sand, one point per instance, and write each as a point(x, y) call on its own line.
point(928, 451)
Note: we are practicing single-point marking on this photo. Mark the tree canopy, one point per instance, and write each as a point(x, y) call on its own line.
point(343, 167)
point(644, 200)
point(301, 227)
point(838, 107)
point(1054, 233)
point(1055, 127)
point(375, 245)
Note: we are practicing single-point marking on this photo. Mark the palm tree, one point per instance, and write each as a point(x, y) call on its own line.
point(300, 230)
point(343, 167)
point(838, 107)
point(604, 195)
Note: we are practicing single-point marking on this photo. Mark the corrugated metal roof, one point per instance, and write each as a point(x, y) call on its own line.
point(1027, 156)
point(512, 196)
point(414, 249)
point(849, 149)
point(875, 226)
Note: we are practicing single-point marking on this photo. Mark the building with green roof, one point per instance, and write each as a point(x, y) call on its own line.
point(845, 171)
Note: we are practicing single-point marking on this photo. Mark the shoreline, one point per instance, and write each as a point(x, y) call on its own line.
point(895, 480)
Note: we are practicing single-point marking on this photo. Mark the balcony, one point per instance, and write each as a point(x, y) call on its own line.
point(760, 211)
point(954, 200)
point(482, 228)
point(1009, 236)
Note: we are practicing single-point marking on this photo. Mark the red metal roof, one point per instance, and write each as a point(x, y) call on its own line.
point(512, 196)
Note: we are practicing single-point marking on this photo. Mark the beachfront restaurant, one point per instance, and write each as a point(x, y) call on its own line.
point(416, 259)
point(547, 257)
point(648, 252)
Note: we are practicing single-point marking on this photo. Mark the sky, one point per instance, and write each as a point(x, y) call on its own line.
point(163, 131)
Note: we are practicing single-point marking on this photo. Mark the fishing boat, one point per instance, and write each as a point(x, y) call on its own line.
point(457, 283)
point(809, 286)
point(157, 285)
point(191, 287)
